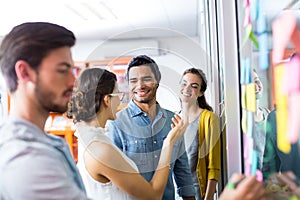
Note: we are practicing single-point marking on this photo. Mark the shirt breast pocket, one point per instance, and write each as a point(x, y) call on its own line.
point(136, 150)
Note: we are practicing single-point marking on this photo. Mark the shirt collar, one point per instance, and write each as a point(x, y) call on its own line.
point(26, 130)
point(134, 110)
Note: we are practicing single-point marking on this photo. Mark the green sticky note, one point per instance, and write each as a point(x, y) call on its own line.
point(248, 31)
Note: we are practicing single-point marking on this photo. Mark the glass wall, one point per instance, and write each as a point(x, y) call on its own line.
point(265, 109)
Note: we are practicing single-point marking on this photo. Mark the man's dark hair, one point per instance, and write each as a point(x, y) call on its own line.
point(145, 61)
point(31, 42)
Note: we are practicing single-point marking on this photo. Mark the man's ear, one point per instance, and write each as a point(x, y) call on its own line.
point(24, 71)
point(106, 100)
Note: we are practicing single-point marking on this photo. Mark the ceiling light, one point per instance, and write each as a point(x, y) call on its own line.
point(91, 10)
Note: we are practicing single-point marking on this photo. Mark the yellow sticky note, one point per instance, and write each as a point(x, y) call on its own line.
point(248, 32)
point(281, 111)
point(244, 121)
point(250, 97)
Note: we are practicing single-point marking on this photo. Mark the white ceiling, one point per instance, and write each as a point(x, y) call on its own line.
point(118, 19)
point(121, 18)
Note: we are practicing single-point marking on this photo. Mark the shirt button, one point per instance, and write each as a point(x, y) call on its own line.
point(155, 156)
point(154, 141)
point(135, 141)
point(145, 114)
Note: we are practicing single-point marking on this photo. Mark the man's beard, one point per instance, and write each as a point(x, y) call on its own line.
point(46, 99)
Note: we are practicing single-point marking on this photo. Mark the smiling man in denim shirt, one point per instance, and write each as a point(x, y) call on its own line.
point(141, 127)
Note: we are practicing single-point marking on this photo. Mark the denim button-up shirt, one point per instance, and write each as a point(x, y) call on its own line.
point(141, 140)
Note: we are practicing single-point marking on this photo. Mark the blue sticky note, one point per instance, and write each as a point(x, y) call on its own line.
point(243, 71)
point(250, 123)
point(250, 149)
point(247, 71)
point(254, 163)
point(263, 59)
point(261, 24)
point(254, 8)
point(246, 146)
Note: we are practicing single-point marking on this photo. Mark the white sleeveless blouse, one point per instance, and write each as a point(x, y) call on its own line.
point(97, 190)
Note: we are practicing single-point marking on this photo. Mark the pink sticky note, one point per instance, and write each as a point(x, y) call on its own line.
point(293, 125)
point(250, 149)
point(259, 175)
point(291, 88)
point(246, 3)
point(246, 146)
point(284, 29)
point(291, 76)
point(247, 19)
point(247, 168)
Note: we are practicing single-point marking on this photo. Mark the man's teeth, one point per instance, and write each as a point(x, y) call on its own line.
point(141, 92)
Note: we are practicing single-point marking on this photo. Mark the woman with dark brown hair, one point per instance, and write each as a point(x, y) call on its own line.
point(202, 137)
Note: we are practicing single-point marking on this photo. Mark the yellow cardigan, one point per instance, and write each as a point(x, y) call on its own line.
point(209, 163)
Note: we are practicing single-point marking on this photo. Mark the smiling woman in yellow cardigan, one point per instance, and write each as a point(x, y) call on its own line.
point(202, 137)
point(208, 166)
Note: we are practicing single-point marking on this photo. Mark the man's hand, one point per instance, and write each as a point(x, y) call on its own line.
point(241, 187)
point(291, 180)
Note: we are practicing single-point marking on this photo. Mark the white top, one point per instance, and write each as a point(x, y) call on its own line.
point(97, 190)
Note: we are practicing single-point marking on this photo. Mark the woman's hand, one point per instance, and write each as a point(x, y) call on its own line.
point(178, 129)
